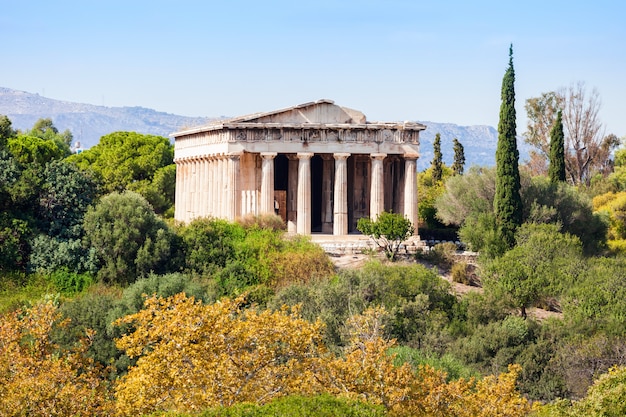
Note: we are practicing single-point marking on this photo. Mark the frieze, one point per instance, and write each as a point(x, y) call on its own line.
point(360, 135)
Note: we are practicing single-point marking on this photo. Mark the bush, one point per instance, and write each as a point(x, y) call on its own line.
point(50, 254)
point(453, 367)
point(263, 221)
point(389, 230)
point(460, 273)
point(128, 237)
point(298, 406)
point(69, 282)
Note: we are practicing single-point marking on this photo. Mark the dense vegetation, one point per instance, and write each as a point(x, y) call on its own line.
point(108, 307)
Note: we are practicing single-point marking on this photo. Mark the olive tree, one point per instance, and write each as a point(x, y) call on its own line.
point(389, 230)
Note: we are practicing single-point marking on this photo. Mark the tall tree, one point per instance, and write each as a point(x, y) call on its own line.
point(437, 164)
point(556, 171)
point(507, 200)
point(459, 157)
point(587, 148)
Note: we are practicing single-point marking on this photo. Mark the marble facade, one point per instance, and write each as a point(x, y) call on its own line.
point(319, 166)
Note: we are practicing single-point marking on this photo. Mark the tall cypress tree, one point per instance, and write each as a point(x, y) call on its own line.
point(436, 163)
point(507, 201)
point(459, 157)
point(556, 171)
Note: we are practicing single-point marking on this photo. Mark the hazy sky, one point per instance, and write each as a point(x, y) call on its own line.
point(439, 61)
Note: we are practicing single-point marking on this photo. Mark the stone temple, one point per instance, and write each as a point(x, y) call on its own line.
point(318, 165)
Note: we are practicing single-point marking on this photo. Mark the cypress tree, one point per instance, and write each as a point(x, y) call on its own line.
point(436, 163)
point(556, 171)
point(459, 157)
point(507, 201)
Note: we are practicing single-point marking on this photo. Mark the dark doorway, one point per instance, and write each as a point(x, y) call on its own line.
point(316, 193)
point(281, 172)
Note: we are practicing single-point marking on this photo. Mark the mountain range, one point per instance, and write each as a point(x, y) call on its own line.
point(89, 122)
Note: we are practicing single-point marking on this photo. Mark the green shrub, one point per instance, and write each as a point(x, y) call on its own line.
point(460, 273)
point(453, 367)
point(69, 282)
point(263, 221)
point(298, 406)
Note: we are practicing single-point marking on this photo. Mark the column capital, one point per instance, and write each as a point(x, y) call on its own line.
point(411, 156)
point(268, 155)
point(378, 156)
point(341, 156)
point(305, 155)
point(234, 155)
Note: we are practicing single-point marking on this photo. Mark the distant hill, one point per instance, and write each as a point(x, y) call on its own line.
point(479, 144)
point(89, 122)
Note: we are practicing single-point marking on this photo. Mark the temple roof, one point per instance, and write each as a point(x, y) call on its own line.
point(319, 114)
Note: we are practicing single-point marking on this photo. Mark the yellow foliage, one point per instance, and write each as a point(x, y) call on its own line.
point(38, 379)
point(193, 356)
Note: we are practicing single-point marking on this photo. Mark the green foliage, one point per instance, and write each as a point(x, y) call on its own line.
point(14, 250)
point(459, 158)
point(428, 190)
point(543, 263)
point(18, 289)
point(607, 396)
point(556, 171)
point(596, 302)
point(34, 150)
point(459, 273)
point(64, 197)
point(436, 163)
point(418, 301)
point(45, 129)
point(480, 233)
point(129, 239)
point(389, 230)
point(297, 406)
point(6, 130)
point(90, 310)
point(49, 254)
point(467, 195)
point(209, 244)
point(69, 282)
point(133, 161)
point(565, 205)
point(493, 346)
point(468, 201)
point(453, 367)
point(507, 200)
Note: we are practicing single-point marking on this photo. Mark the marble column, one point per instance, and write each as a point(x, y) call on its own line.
point(340, 207)
point(219, 189)
point(377, 191)
point(303, 225)
point(210, 186)
point(178, 204)
point(410, 190)
point(267, 182)
point(232, 187)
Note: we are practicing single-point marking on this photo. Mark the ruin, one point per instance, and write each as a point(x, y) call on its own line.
point(318, 165)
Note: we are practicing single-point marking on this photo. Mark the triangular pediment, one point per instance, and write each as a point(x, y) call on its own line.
point(321, 111)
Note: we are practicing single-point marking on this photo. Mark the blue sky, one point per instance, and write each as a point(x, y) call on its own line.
point(439, 61)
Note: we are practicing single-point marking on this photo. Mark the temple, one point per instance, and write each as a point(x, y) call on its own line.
point(318, 165)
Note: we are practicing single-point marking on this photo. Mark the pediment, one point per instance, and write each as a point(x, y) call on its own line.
point(321, 111)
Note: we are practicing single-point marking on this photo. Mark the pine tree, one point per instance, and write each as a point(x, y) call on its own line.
point(507, 200)
point(436, 163)
point(459, 158)
point(556, 171)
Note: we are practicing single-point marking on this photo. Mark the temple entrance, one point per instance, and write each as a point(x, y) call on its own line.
point(281, 181)
point(317, 175)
